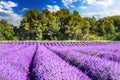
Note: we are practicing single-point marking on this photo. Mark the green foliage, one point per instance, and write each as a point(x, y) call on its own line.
point(61, 25)
point(73, 28)
point(6, 30)
point(93, 24)
point(117, 37)
point(29, 28)
point(50, 25)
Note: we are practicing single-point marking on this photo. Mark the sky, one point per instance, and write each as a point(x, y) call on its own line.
point(14, 10)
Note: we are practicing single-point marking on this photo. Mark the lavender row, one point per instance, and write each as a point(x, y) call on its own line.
point(96, 68)
point(109, 52)
point(73, 43)
point(9, 51)
point(10, 48)
point(4, 46)
point(48, 66)
point(109, 55)
point(109, 47)
point(18, 43)
point(60, 43)
point(16, 65)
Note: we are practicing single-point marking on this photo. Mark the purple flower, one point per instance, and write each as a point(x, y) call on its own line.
point(48, 66)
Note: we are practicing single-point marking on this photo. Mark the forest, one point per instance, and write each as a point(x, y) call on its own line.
point(61, 25)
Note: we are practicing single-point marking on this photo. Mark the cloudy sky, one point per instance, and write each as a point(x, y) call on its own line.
point(14, 10)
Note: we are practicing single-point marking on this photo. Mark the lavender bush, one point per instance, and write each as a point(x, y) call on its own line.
point(59, 60)
point(16, 65)
point(96, 68)
point(7, 51)
point(48, 66)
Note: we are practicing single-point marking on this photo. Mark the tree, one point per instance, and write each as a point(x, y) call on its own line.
point(61, 25)
point(49, 24)
point(30, 28)
point(73, 28)
point(106, 28)
point(85, 29)
point(6, 30)
point(93, 25)
point(63, 17)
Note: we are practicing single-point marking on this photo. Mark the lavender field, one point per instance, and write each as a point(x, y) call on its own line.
point(59, 60)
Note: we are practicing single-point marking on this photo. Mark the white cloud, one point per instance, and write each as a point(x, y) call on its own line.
point(6, 12)
point(24, 9)
point(83, 7)
point(103, 14)
point(103, 3)
point(72, 6)
point(53, 1)
point(53, 8)
point(8, 5)
point(1, 6)
point(99, 8)
point(67, 3)
point(90, 2)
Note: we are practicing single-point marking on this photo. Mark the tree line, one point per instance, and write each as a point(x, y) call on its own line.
point(61, 25)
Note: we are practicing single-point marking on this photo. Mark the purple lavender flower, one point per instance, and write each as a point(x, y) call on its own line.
point(15, 66)
point(48, 66)
point(96, 68)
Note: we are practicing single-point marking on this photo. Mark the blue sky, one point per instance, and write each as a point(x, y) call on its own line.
point(14, 10)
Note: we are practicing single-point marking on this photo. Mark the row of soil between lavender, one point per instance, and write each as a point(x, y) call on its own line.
point(60, 60)
point(30, 76)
